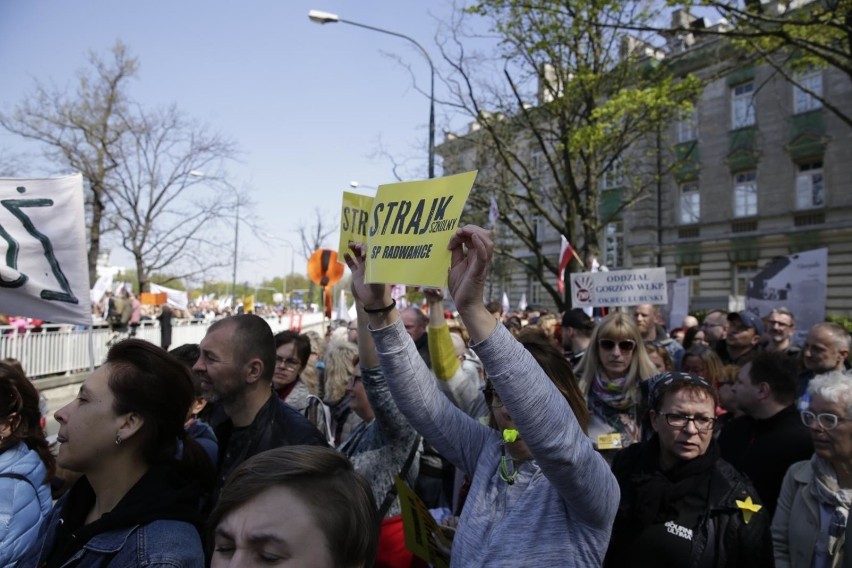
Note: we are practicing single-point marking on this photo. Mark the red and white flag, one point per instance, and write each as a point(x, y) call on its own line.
point(565, 255)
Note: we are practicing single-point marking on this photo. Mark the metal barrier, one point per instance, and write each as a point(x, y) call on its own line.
point(56, 349)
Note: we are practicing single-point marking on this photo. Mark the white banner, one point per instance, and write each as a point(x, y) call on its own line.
point(678, 308)
point(174, 298)
point(100, 288)
point(796, 282)
point(619, 288)
point(43, 271)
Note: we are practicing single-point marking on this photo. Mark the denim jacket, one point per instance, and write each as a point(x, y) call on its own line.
point(156, 523)
point(159, 543)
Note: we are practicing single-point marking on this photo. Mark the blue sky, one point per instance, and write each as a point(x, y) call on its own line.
point(309, 105)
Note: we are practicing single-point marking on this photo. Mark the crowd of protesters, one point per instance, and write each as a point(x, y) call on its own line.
point(535, 439)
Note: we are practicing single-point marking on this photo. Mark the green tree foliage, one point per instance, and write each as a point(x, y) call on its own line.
point(567, 111)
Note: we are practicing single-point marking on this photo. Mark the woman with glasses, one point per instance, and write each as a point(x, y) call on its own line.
point(809, 527)
point(681, 504)
point(540, 495)
point(610, 375)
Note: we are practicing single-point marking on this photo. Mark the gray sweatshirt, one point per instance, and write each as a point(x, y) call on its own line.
point(559, 511)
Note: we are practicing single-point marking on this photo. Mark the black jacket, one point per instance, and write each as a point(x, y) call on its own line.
point(764, 449)
point(720, 535)
point(276, 424)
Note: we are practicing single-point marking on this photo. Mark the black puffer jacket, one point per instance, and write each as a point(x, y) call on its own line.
point(720, 537)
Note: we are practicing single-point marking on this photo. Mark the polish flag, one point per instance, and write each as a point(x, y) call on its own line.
point(565, 255)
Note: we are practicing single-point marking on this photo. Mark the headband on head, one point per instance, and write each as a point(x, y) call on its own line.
point(657, 384)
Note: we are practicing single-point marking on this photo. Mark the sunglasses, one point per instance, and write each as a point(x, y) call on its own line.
point(623, 345)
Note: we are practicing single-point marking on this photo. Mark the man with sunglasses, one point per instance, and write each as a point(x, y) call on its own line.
point(769, 437)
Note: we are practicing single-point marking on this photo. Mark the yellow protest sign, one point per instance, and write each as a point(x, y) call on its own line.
point(410, 226)
point(354, 221)
point(419, 526)
point(248, 304)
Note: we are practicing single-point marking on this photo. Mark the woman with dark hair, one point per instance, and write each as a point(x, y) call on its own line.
point(682, 504)
point(295, 505)
point(292, 351)
point(136, 503)
point(540, 494)
point(693, 337)
point(26, 466)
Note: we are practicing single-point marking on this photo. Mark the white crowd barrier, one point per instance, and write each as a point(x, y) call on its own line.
point(56, 349)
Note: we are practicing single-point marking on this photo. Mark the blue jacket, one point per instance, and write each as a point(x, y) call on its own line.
point(155, 524)
point(23, 504)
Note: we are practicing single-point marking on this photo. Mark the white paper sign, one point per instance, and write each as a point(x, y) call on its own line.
point(177, 299)
point(619, 288)
point(43, 267)
point(796, 282)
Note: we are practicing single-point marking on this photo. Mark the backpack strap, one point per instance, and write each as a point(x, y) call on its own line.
point(391, 494)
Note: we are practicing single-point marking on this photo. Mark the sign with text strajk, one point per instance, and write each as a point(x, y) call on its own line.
point(354, 221)
point(410, 226)
point(619, 288)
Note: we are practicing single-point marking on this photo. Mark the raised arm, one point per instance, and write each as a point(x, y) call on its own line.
point(539, 411)
point(454, 434)
point(445, 364)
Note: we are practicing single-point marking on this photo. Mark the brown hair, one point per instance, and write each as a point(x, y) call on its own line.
point(557, 368)
point(20, 404)
point(302, 345)
point(340, 499)
point(157, 386)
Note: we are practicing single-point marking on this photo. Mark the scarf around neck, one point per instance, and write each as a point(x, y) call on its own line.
point(827, 491)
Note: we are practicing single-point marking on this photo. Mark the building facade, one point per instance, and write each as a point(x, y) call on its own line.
point(766, 172)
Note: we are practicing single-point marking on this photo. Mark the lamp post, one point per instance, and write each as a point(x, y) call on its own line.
point(320, 17)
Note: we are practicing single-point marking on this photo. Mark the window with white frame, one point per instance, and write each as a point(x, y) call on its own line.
point(810, 186)
point(693, 272)
point(742, 105)
point(744, 272)
point(537, 164)
point(687, 127)
point(614, 244)
point(690, 203)
point(810, 79)
point(613, 177)
point(745, 194)
point(538, 227)
point(536, 290)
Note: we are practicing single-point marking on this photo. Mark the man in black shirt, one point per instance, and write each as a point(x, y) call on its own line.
point(770, 437)
point(235, 366)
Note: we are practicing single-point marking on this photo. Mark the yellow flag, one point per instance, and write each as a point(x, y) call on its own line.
point(354, 221)
point(410, 226)
point(248, 304)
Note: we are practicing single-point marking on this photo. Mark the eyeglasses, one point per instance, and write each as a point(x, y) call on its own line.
point(289, 363)
point(492, 399)
point(825, 420)
point(681, 420)
point(781, 323)
point(708, 324)
point(623, 345)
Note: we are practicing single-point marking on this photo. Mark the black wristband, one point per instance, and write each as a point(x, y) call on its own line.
point(381, 310)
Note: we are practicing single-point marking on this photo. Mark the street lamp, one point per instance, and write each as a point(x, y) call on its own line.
point(320, 17)
point(199, 174)
point(355, 185)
